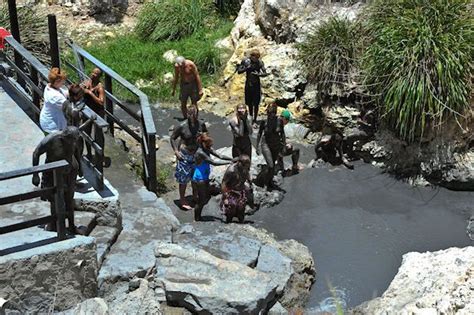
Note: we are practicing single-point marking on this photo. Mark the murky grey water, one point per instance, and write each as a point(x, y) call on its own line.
point(357, 224)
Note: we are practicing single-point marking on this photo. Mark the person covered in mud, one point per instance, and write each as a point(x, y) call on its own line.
point(94, 93)
point(72, 109)
point(288, 148)
point(270, 142)
point(184, 143)
point(202, 171)
point(329, 149)
point(186, 72)
point(62, 145)
point(235, 192)
point(254, 69)
point(241, 131)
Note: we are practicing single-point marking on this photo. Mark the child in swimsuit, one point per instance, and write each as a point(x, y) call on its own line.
point(202, 171)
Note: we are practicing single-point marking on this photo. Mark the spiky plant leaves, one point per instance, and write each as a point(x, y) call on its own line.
point(419, 62)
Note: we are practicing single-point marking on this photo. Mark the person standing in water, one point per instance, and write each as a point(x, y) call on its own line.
point(254, 69)
point(241, 130)
point(270, 142)
point(184, 143)
point(186, 72)
point(202, 171)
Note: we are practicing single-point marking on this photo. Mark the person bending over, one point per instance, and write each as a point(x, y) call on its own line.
point(184, 143)
point(235, 193)
point(270, 142)
point(202, 171)
point(254, 69)
point(241, 131)
point(186, 72)
point(288, 148)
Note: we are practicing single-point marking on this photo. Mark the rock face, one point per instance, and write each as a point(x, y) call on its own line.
point(429, 283)
point(288, 263)
point(55, 276)
point(201, 282)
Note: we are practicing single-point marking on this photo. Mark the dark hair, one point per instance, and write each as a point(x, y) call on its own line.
point(204, 138)
point(272, 108)
point(76, 92)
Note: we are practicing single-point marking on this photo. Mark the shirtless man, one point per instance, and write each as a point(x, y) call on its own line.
point(270, 142)
point(241, 130)
point(288, 148)
point(94, 93)
point(187, 73)
point(184, 143)
point(235, 193)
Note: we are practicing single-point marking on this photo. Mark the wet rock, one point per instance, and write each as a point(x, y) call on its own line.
point(201, 282)
point(105, 237)
point(470, 228)
point(141, 300)
point(456, 174)
point(108, 213)
point(278, 309)
point(375, 151)
point(439, 282)
point(272, 261)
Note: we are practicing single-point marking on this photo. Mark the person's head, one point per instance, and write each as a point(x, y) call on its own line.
point(96, 74)
point(192, 113)
point(72, 134)
point(205, 141)
point(285, 116)
point(76, 93)
point(244, 161)
point(255, 55)
point(272, 110)
point(241, 110)
point(56, 77)
point(180, 61)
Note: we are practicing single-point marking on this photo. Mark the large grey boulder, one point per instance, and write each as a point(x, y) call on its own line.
point(203, 283)
point(289, 263)
point(439, 282)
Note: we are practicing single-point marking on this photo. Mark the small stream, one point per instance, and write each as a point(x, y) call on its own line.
point(357, 224)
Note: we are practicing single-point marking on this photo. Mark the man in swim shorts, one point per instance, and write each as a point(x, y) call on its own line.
point(186, 72)
point(184, 143)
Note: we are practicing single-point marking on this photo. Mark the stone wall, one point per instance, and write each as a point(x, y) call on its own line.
point(51, 277)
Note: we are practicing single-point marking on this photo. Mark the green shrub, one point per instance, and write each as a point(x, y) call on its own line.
point(33, 30)
point(419, 61)
point(329, 55)
point(173, 19)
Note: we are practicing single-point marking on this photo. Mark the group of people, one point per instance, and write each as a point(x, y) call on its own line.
point(62, 121)
point(192, 144)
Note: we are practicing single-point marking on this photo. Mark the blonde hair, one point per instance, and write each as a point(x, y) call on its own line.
point(55, 74)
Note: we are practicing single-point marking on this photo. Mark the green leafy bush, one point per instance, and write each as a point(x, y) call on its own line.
point(173, 19)
point(419, 61)
point(329, 55)
point(33, 30)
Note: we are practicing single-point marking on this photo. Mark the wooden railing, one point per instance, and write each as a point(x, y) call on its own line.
point(28, 81)
point(58, 215)
point(144, 118)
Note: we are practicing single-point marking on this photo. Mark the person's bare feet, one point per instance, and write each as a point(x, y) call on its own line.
point(185, 205)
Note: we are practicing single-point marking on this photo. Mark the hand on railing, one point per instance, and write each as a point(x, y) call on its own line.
point(36, 180)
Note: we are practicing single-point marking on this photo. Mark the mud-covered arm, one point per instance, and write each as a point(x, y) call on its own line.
point(237, 126)
point(174, 138)
point(263, 71)
point(88, 122)
point(201, 155)
point(220, 156)
point(243, 66)
point(40, 149)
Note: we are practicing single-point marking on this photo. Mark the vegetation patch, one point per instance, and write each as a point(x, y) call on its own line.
point(418, 62)
point(329, 55)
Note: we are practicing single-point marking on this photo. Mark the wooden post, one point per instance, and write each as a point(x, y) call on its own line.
point(109, 105)
point(59, 204)
point(53, 41)
point(15, 31)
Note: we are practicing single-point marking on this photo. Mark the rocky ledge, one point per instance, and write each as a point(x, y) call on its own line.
point(439, 282)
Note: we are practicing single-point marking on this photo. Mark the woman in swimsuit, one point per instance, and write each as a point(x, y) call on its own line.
point(202, 171)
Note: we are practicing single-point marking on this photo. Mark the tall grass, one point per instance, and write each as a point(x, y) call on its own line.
point(174, 19)
point(329, 55)
point(136, 59)
point(33, 30)
point(419, 61)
